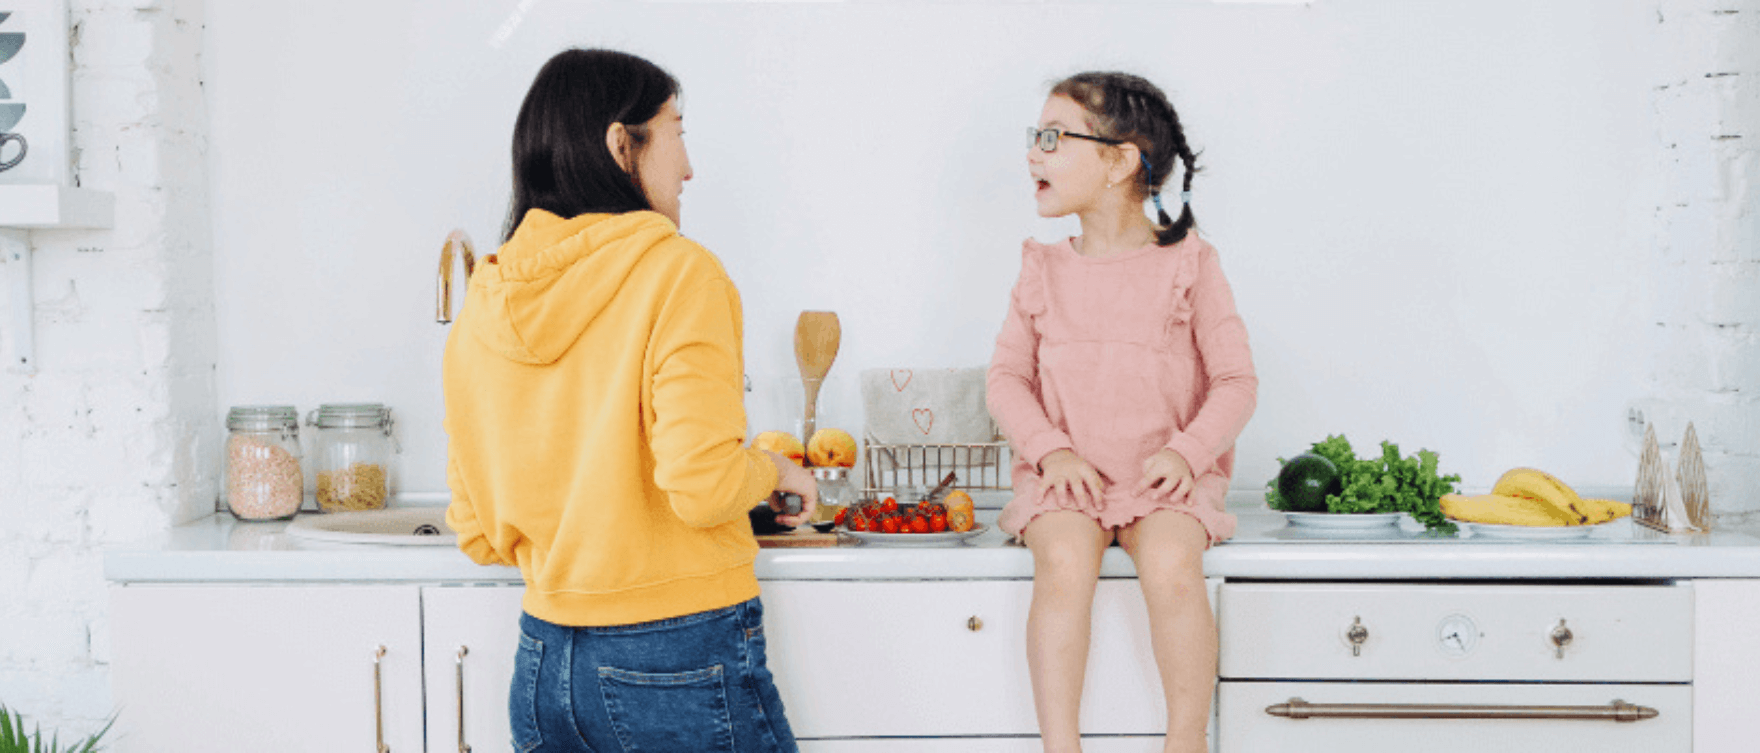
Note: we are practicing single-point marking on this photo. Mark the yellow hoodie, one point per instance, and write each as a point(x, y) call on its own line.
point(596, 425)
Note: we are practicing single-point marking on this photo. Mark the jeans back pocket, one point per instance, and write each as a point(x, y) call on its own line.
point(658, 712)
point(522, 699)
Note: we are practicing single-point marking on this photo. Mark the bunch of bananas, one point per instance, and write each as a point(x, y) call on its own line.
point(1530, 497)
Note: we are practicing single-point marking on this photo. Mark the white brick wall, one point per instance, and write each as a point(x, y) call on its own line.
point(113, 437)
point(1704, 364)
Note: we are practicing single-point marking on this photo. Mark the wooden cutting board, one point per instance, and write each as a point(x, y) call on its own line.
point(804, 537)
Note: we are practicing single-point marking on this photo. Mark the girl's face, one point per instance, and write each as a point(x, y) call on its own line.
point(1072, 178)
point(663, 165)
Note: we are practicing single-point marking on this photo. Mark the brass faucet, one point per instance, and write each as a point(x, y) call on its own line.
point(443, 306)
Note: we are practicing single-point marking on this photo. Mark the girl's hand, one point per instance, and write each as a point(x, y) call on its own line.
point(793, 478)
point(1165, 474)
point(1066, 471)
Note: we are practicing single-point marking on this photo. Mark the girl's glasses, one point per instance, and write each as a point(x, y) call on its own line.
point(1046, 138)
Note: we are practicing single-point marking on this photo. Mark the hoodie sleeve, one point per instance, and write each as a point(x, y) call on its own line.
point(699, 423)
point(461, 517)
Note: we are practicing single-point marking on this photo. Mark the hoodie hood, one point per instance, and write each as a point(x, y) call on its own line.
point(553, 278)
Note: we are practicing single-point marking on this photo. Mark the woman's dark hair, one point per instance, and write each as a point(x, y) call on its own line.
point(1129, 108)
point(560, 161)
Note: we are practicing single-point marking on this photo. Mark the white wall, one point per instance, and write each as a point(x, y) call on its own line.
point(1435, 216)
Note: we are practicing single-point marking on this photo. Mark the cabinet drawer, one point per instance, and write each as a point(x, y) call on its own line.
point(1245, 726)
point(897, 659)
point(1448, 632)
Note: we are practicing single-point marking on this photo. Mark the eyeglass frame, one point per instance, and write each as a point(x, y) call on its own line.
point(1035, 135)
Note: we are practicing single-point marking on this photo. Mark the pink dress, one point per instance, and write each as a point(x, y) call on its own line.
point(1116, 358)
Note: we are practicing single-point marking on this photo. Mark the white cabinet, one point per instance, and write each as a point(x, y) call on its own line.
point(266, 668)
point(292, 668)
point(1726, 665)
point(482, 623)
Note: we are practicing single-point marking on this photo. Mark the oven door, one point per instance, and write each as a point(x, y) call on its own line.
point(1358, 717)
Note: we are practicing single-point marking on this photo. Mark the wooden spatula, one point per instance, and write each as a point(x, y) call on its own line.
point(816, 336)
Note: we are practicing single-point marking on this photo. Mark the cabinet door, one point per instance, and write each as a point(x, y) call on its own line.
point(266, 668)
point(935, 658)
point(1726, 665)
point(471, 635)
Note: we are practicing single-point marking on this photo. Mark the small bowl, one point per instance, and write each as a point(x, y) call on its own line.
point(824, 527)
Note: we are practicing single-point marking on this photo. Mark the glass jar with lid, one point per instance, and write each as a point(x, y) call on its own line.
point(263, 478)
point(352, 453)
point(835, 492)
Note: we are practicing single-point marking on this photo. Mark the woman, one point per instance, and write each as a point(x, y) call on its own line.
point(594, 412)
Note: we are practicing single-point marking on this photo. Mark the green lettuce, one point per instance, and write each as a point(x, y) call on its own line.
point(1389, 483)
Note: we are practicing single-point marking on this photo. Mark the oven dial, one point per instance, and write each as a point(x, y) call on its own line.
point(1457, 635)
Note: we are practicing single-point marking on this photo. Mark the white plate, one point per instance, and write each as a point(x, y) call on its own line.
point(945, 538)
point(1329, 521)
point(1528, 533)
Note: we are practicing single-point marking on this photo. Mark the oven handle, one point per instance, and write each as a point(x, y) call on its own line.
point(1616, 711)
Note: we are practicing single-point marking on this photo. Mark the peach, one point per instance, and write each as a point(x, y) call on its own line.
point(781, 443)
point(831, 447)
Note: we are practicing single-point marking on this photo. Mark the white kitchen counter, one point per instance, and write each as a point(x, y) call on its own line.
point(220, 548)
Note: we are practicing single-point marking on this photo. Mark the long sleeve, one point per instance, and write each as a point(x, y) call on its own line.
point(698, 420)
point(1233, 386)
point(461, 517)
point(1012, 386)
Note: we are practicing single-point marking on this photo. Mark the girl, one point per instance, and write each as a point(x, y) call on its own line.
point(1121, 377)
point(596, 424)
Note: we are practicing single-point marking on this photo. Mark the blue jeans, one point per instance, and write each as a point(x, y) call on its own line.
point(691, 684)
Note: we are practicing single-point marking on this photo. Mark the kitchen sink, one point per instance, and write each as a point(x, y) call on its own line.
point(404, 526)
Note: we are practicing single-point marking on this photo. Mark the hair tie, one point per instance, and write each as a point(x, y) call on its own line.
point(1185, 197)
point(1157, 197)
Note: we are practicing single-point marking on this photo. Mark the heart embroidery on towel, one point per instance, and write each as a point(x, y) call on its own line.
point(898, 385)
point(925, 419)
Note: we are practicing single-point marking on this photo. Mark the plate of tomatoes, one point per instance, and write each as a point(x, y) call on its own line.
point(888, 523)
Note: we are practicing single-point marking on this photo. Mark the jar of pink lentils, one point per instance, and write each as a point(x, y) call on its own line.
point(263, 478)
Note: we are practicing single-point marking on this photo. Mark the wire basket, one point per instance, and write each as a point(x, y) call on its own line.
point(977, 466)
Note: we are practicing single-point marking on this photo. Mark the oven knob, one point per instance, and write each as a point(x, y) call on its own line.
point(1357, 634)
point(1561, 637)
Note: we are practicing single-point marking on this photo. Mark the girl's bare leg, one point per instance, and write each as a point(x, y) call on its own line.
point(1067, 547)
point(1168, 549)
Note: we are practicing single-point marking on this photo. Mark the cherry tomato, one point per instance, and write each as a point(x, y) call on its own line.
point(888, 505)
point(938, 523)
point(919, 524)
point(842, 515)
point(858, 523)
point(889, 525)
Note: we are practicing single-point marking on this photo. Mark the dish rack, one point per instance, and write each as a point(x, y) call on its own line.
point(977, 465)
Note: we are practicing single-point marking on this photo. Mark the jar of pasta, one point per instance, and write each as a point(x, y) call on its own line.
point(352, 453)
point(263, 478)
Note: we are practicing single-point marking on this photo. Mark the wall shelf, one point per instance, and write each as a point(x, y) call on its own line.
point(46, 207)
point(39, 207)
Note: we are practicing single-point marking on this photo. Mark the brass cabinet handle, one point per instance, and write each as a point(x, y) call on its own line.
point(974, 624)
point(1615, 711)
point(378, 704)
point(1561, 637)
point(463, 747)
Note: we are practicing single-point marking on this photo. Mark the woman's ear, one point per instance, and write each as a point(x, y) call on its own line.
point(617, 141)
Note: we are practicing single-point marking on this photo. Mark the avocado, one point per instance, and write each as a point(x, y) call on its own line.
point(1306, 481)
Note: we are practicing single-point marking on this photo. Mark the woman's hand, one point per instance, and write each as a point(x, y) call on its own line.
point(1165, 475)
point(796, 480)
point(1066, 471)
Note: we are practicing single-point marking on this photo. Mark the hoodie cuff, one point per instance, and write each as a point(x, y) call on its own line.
point(1197, 458)
point(761, 477)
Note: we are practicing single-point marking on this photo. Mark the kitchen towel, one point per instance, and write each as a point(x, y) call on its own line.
point(915, 407)
point(927, 406)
